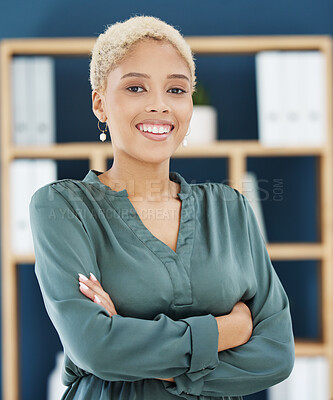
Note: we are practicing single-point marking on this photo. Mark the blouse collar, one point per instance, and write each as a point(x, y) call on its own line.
point(92, 178)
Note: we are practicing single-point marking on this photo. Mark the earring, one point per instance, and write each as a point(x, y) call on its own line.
point(102, 135)
point(184, 143)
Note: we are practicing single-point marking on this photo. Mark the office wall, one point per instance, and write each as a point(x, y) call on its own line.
point(232, 86)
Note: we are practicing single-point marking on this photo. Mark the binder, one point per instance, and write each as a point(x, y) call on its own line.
point(268, 83)
point(44, 101)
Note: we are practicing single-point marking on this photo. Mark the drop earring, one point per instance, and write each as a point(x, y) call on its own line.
point(102, 135)
point(185, 143)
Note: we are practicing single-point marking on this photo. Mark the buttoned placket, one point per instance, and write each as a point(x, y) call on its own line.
point(177, 263)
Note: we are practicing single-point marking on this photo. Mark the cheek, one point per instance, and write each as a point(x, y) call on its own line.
point(184, 111)
point(121, 111)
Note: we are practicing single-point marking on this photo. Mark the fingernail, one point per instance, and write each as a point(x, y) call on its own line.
point(93, 276)
point(83, 277)
point(97, 298)
point(83, 286)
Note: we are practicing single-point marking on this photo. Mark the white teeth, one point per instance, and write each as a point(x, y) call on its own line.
point(155, 129)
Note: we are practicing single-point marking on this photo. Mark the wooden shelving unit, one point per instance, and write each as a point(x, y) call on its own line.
point(236, 153)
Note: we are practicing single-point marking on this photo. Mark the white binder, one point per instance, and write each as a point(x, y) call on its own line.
point(268, 82)
point(26, 176)
point(21, 100)
point(309, 380)
point(291, 98)
point(33, 83)
point(44, 101)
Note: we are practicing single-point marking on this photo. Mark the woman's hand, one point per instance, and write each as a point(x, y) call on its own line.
point(92, 289)
point(242, 311)
point(242, 308)
point(166, 379)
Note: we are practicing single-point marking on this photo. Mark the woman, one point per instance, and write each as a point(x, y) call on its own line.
point(177, 296)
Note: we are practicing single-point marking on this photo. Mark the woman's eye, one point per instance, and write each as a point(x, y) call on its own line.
point(134, 87)
point(177, 89)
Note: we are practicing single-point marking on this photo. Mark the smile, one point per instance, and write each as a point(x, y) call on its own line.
point(155, 128)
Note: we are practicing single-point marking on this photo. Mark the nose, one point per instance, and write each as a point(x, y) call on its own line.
point(157, 104)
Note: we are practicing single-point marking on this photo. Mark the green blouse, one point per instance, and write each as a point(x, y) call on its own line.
point(166, 301)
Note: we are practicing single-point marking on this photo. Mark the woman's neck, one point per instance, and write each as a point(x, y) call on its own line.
point(142, 182)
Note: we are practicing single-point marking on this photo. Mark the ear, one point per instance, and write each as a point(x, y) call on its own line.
point(98, 105)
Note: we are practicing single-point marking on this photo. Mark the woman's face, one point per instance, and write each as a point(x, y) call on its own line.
point(149, 90)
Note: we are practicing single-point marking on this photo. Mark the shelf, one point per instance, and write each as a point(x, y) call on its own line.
point(277, 251)
point(254, 44)
point(48, 46)
point(204, 45)
point(220, 148)
point(297, 251)
point(235, 151)
point(310, 348)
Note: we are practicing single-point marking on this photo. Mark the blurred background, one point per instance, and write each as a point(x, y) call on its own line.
point(231, 84)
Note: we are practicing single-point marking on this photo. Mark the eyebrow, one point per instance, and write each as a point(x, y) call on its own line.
point(140, 75)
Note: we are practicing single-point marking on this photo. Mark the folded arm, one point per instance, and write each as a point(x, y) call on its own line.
point(268, 357)
point(93, 341)
point(234, 329)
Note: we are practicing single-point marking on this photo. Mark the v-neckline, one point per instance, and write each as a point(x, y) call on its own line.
point(121, 203)
point(151, 234)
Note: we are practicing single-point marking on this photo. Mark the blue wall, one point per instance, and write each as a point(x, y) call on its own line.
point(231, 81)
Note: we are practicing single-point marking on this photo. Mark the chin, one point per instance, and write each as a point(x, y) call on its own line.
point(156, 157)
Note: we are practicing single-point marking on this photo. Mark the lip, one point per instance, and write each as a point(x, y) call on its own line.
point(156, 122)
point(156, 136)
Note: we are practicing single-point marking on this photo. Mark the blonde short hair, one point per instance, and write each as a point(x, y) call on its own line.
point(112, 45)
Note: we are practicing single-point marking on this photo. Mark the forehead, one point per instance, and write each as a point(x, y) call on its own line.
point(151, 55)
point(153, 45)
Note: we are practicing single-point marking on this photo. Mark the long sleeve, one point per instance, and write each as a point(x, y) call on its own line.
point(118, 348)
point(268, 357)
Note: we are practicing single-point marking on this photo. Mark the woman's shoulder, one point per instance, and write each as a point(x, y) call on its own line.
point(60, 190)
point(221, 199)
point(217, 190)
